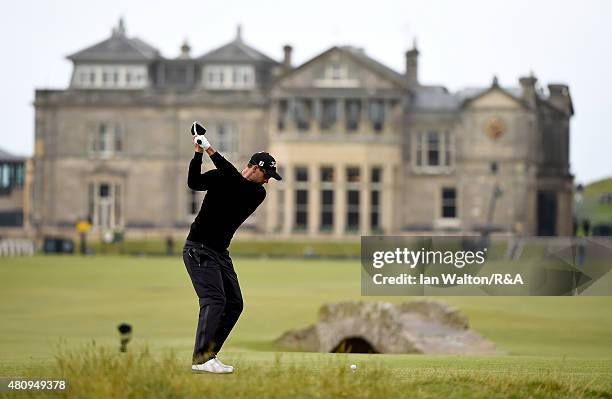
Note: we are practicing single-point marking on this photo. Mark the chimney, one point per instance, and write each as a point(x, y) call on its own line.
point(287, 50)
point(185, 50)
point(560, 98)
point(528, 84)
point(238, 38)
point(119, 30)
point(412, 64)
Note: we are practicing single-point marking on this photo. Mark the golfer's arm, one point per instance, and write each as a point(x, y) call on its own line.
point(224, 166)
point(196, 180)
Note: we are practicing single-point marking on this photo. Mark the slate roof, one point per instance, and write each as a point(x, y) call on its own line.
point(438, 98)
point(118, 47)
point(7, 156)
point(382, 68)
point(237, 51)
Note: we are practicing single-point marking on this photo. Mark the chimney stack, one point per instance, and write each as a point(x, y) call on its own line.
point(560, 97)
point(528, 84)
point(412, 64)
point(185, 50)
point(287, 50)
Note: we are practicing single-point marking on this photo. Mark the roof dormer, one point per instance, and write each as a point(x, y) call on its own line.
point(119, 62)
point(235, 66)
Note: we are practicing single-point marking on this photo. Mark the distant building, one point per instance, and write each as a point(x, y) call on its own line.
point(363, 149)
point(14, 199)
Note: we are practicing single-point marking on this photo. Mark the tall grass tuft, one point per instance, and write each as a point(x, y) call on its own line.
point(102, 372)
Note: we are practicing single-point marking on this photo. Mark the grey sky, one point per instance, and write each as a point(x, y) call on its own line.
point(462, 43)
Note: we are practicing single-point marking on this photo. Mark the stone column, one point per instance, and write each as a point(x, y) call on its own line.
point(340, 200)
point(289, 199)
point(388, 212)
point(314, 200)
point(364, 200)
point(271, 210)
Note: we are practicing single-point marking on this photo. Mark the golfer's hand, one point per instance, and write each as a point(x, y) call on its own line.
point(205, 145)
point(197, 147)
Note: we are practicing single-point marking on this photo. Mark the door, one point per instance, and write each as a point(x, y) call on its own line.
point(547, 213)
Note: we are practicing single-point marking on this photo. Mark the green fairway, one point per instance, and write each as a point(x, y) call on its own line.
point(76, 300)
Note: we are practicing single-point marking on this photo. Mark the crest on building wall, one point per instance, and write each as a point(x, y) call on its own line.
point(495, 128)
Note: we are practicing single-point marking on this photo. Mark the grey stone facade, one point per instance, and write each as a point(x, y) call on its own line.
point(364, 149)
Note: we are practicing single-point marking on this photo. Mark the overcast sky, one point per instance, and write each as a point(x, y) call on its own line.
point(462, 43)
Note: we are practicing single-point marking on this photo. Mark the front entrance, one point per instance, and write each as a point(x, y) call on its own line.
point(547, 213)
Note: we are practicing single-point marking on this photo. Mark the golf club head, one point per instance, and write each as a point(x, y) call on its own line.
point(197, 129)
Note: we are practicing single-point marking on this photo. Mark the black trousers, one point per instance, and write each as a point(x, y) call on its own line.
point(216, 284)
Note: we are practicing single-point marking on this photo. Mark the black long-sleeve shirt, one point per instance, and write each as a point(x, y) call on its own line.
point(229, 200)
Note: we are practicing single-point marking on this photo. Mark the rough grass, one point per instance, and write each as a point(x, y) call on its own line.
point(98, 372)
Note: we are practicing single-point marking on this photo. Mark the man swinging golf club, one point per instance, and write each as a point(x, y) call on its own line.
point(231, 197)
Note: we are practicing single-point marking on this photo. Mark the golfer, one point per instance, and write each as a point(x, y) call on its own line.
point(231, 197)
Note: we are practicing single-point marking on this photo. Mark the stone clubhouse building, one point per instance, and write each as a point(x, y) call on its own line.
point(363, 149)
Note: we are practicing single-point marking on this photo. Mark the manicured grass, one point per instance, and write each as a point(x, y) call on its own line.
point(251, 248)
point(554, 346)
point(592, 208)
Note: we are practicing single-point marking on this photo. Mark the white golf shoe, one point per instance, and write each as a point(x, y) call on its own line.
point(230, 368)
point(212, 366)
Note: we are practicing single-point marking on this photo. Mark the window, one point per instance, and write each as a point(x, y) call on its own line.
point(352, 216)
point(336, 72)
point(301, 174)
point(376, 175)
point(352, 175)
point(5, 175)
point(329, 114)
point(433, 149)
point(301, 209)
point(302, 113)
point(377, 114)
point(19, 177)
point(104, 205)
point(353, 113)
point(110, 76)
point(301, 198)
point(352, 198)
point(283, 110)
point(375, 213)
point(447, 149)
point(433, 155)
point(280, 204)
point(375, 196)
point(192, 202)
point(327, 209)
point(419, 150)
point(225, 137)
point(327, 198)
point(229, 77)
point(107, 139)
point(449, 202)
point(327, 174)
